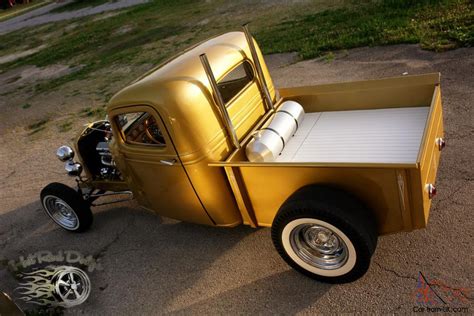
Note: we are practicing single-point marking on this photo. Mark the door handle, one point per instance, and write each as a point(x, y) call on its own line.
point(168, 162)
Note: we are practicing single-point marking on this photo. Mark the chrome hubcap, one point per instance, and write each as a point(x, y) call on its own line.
point(72, 286)
point(61, 212)
point(319, 246)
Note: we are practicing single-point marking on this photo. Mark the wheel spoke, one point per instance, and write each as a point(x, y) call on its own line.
point(76, 293)
point(63, 283)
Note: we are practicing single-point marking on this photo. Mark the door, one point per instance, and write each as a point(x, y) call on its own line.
point(151, 165)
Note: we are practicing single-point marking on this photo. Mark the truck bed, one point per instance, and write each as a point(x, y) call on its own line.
point(360, 136)
point(383, 150)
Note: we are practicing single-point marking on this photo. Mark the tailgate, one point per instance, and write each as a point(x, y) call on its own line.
point(424, 178)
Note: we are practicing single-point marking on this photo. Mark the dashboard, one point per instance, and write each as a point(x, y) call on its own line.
point(144, 130)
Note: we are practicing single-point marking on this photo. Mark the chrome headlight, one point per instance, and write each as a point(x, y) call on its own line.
point(65, 153)
point(73, 168)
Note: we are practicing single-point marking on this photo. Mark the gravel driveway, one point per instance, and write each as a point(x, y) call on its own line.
point(160, 266)
point(43, 15)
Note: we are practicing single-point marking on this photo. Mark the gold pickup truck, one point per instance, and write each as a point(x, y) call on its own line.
point(207, 138)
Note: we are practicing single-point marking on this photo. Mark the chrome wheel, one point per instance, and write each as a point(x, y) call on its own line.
point(72, 286)
point(61, 212)
point(319, 246)
point(325, 233)
point(66, 207)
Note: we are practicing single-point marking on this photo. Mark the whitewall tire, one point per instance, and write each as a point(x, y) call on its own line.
point(325, 234)
point(312, 255)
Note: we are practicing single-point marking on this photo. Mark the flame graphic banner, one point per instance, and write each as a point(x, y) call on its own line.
point(39, 286)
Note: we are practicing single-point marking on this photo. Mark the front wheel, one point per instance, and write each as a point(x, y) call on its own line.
point(325, 234)
point(66, 207)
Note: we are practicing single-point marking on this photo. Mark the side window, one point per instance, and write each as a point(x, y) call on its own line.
point(140, 128)
point(235, 81)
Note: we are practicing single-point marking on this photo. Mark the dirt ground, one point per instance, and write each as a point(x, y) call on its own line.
point(154, 265)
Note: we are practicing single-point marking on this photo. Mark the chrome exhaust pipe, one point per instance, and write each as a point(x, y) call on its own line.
point(220, 102)
point(258, 66)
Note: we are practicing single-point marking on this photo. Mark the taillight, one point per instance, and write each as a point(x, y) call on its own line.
point(441, 143)
point(431, 189)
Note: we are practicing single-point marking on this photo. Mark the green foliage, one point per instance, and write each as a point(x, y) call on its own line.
point(329, 57)
point(154, 31)
point(98, 43)
point(38, 124)
point(437, 25)
point(93, 112)
point(65, 127)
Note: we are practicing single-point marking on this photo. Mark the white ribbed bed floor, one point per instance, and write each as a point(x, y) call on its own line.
point(362, 136)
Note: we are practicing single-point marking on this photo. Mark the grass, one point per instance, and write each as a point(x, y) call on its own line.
point(152, 32)
point(329, 57)
point(98, 112)
point(65, 127)
point(37, 126)
point(436, 25)
point(91, 44)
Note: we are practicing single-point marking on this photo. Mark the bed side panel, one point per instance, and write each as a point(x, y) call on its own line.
point(269, 187)
point(407, 91)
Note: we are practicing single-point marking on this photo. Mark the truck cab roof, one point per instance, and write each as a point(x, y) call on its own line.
point(180, 92)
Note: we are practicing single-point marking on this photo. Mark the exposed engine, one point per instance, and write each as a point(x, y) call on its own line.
point(93, 146)
point(108, 171)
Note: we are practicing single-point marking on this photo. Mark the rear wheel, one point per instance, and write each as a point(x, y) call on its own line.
point(66, 207)
point(325, 234)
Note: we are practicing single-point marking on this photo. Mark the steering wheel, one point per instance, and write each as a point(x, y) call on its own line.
point(152, 131)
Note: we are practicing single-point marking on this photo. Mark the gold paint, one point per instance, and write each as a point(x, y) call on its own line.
point(404, 199)
point(229, 190)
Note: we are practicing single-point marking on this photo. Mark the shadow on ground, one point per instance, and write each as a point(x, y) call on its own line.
point(264, 296)
point(145, 258)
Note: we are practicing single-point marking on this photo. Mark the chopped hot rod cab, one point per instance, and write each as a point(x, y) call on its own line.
point(207, 138)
